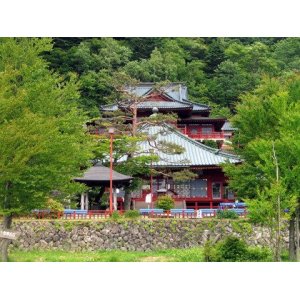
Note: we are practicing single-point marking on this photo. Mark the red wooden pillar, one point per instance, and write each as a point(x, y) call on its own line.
point(110, 172)
point(209, 191)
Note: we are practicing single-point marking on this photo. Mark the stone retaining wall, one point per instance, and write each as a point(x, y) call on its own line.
point(133, 235)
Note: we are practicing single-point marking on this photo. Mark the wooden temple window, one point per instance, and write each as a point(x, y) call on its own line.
point(199, 188)
point(216, 190)
point(228, 193)
point(192, 188)
point(207, 129)
point(194, 131)
point(183, 188)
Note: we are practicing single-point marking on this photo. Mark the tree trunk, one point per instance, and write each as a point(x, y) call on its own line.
point(278, 229)
point(127, 200)
point(297, 234)
point(134, 119)
point(277, 246)
point(292, 248)
point(7, 220)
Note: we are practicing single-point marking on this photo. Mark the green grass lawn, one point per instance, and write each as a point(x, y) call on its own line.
point(170, 255)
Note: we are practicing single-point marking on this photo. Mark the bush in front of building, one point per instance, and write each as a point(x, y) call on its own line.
point(227, 214)
point(55, 208)
point(131, 214)
point(165, 202)
point(54, 205)
point(115, 215)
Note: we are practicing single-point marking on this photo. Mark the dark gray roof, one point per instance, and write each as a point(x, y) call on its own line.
point(227, 127)
point(163, 104)
point(101, 174)
point(175, 90)
point(151, 104)
point(200, 107)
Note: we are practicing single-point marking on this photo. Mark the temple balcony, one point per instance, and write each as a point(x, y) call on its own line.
point(207, 136)
point(213, 135)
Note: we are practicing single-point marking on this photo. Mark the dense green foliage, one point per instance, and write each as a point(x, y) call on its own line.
point(271, 114)
point(54, 205)
point(43, 143)
point(268, 122)
point(216, 70)
point(132, 214)
point(232, 249)
point(115, 215)
point(165, 202)
point(227, 214)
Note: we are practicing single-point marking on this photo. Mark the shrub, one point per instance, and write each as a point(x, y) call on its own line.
point(131, 214)
point(227, 214)
point(54, 205)
point(115, 215)
point(232, 249)
point(165, 202)
point(258, 254)
point(210, 252)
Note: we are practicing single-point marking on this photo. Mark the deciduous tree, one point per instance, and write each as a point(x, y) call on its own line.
point(42, 137)
point(268, 121)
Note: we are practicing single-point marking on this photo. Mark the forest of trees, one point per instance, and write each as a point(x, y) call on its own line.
point(217, 71)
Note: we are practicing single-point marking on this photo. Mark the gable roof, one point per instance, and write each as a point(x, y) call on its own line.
point(195, 154)
point(200, 107)
point(176, 92)
point(163, 104)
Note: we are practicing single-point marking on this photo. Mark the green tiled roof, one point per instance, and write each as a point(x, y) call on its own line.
point(195, 154)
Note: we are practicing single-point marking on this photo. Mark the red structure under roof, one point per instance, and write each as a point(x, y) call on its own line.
point(194, 125)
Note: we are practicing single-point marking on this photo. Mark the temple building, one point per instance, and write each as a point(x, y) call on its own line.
point(193, 119)
point(193, 126)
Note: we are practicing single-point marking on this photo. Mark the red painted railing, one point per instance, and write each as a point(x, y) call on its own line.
point(90, 214)
point(213, 135)
point(204, 136)
point(167, 214)
point(103, 214)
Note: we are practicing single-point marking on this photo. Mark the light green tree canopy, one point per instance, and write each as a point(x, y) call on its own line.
point(42, 136)
point(268, 122)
